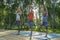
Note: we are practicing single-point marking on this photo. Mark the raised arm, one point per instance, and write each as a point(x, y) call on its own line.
point(19, 10)
point(46, 10)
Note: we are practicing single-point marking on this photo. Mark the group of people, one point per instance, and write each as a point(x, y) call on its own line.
point(30, 19)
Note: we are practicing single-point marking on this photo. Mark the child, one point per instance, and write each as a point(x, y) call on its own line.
point(18, 19)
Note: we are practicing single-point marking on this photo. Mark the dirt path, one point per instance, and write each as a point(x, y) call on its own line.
point(7, 35)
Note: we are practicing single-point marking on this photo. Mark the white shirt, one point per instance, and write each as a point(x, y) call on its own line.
point(17, 17)
point(36, 13)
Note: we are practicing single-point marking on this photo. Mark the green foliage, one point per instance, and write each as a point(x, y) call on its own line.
point(7, 16)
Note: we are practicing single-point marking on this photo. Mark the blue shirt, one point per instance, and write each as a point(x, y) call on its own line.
point(45, 17)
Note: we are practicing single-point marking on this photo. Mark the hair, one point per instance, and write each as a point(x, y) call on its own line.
point(18, 11)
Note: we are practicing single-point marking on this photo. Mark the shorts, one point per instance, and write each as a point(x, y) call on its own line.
point(30, 24)
point(45, 24)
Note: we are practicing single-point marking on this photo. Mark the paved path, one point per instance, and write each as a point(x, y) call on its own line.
point(7, 35)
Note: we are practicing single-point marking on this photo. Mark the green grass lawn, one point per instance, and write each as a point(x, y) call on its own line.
point(50, 30)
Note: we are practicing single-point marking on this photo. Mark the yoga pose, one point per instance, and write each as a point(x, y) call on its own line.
point(45, 19)
point(18, 19)
point(30, 21)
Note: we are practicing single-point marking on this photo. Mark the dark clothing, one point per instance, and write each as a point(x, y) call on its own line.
point(18, 24)
point(45, 24)
point(45, 21)
point(45, 17)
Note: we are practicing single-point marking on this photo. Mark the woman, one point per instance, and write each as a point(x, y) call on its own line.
point(18, 14)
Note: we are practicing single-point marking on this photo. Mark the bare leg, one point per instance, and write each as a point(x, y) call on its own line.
point(18, 30)
point(46, 32)
point(31, 34)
